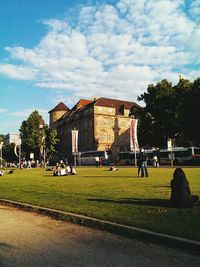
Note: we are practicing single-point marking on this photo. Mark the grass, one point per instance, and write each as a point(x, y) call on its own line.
point(115, 196)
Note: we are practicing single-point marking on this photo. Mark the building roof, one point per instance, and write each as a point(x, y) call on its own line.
point(59, 107)
point(115, 103)
point(119, 105)
point(79, 105)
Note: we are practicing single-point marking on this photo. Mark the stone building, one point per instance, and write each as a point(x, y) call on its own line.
point(12, 138)
point(56, 113)
point(102, 124)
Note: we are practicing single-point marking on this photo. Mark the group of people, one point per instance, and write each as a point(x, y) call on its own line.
point(62, 170)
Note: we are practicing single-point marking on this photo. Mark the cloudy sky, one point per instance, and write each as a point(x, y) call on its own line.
point(52, 51)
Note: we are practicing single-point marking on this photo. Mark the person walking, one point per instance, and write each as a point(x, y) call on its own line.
point(142, 167)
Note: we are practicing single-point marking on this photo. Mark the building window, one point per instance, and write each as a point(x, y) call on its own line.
point(101, 137)
point(123, 123)
point(101, 122)
point(108, 137)
point(108, 123)
point(110, 110)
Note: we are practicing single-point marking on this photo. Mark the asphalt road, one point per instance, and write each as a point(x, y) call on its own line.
point(29, 239)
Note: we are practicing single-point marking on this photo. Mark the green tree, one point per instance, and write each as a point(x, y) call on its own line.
point(170, 112)
point(37, 138)
point(8, 153)
point(31, 134)
point(157, 117)
point(182, 93)
point(51, 141)
point(192, 113)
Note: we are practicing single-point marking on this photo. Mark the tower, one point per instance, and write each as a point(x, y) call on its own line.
point(56, 113)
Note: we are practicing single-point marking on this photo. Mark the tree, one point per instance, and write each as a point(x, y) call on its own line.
point(170, 112)
point(157, 117)
point(31, 134)
point(51, 141)
point(182, 92)
point(8, 153)
point(36, 136)
point(192, 113)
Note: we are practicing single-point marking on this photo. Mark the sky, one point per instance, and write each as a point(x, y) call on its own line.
point(64, 50)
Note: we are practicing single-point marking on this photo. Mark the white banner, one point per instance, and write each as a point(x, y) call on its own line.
point(74, 141)
point(134, 146)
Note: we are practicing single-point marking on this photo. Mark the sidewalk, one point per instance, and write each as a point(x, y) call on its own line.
point(124, 230)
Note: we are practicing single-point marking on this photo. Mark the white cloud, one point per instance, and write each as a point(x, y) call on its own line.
point(112, 50)
point(194, 10)
point(2, 110)
point(17, 72)
point(18, 116)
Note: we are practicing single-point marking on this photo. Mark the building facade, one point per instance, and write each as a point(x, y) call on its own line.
point(102, 124)
point(12, 138)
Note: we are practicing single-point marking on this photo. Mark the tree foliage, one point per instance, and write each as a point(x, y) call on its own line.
point(33, 132)
point(169, 112)
point(8, 153)
point(51, 141)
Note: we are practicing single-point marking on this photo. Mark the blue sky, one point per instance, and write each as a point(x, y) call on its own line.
point(64, 50)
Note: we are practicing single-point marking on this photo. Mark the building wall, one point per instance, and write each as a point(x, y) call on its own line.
point(12, 138)
point(99, 129)
point(55, 115)
point(111, 130)
point(84, 123)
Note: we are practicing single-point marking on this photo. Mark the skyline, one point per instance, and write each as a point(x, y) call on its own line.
point(62, 51)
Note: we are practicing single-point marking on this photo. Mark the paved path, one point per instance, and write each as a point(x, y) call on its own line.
point(32, 240)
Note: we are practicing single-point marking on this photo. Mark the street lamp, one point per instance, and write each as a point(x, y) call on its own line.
point(74, 144)
point(1, 155)
point(42, 148)
point(17, 150)
point(133, 136)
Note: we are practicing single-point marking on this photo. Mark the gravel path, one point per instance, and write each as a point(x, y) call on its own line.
point(29, 239)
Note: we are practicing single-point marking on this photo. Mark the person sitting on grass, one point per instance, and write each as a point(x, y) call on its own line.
point(68, 168)
point(180, 191)
point(2, 172)
point(113, 168)
point(73, 171)
point(63, 171)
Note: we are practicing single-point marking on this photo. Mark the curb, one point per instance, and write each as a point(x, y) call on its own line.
point(116, 228)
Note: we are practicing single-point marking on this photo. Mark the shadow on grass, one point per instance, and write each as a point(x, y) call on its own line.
point(135, 201)
point(162, 186)
point(6, 246)
point(109, 176)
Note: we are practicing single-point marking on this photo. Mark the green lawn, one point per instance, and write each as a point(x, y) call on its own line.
point(115, 196)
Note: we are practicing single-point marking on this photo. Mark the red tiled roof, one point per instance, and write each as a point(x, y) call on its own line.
point(115, 103)
point(81, 103)
point(119, 105)
point(59, 107)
